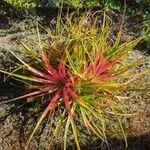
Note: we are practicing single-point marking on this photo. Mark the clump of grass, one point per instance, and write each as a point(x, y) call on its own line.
point(83, 70)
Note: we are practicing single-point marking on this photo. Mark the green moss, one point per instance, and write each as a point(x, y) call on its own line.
point(110, 4)
point(28, 4)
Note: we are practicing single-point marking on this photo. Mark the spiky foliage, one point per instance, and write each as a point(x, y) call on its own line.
point(83, 70)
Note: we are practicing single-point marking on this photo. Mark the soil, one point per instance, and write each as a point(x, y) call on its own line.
point(17, 120)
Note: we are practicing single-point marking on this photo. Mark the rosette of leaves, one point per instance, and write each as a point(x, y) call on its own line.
point(83, 71)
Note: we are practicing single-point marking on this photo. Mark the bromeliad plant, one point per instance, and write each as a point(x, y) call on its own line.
point(84, 71)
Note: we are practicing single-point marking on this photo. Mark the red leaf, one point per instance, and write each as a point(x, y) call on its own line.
point(66, 100)
point(50, 69)
point(108, 65)
point(100, 62)
point(34, 93)
point(52, 81)
point(53, 101)
point(38, 72)
point(61, 70)
point(105, 76)
point(73, 94)
point(51, 104)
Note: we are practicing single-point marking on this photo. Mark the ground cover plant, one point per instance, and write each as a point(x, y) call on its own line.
point(28, 4)
point(81, 71)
